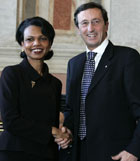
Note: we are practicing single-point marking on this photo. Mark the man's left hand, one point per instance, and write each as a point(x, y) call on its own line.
point(125, 156)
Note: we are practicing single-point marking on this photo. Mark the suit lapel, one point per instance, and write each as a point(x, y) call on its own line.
point(78, 73)
point(103, 66)
point(80, 67)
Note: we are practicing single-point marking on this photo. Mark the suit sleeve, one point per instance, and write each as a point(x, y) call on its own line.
point(132, 88)
point(68, 112)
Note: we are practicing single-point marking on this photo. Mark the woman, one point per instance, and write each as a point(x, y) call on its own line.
point(30, 98)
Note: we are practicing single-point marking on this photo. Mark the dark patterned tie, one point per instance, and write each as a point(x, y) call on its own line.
point(88, 73)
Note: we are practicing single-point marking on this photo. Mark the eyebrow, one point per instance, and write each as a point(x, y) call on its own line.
point(35, 36)
point(91, 19)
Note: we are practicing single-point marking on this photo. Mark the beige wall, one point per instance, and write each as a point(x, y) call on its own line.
point(124, 17)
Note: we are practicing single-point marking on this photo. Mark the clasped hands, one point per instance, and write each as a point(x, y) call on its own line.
point(62, 135)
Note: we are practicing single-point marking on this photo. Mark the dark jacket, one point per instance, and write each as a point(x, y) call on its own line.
point(29, 107)
point(112, 103)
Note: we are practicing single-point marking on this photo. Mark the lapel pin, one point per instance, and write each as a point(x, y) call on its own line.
point(33, 83)
point(105, 66)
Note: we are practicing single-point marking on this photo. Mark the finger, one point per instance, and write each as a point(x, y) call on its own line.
point(58, 140)
point(69, 132)
point(60, 125)
point(63, 141)
point(64, 147)
point(116, 157)
point(64, 144)
point(63, 129)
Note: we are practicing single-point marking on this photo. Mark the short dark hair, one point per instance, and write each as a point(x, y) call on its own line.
point(46, 28)
point(90, 5)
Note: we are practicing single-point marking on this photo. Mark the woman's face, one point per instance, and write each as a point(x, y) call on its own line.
point(35, 44)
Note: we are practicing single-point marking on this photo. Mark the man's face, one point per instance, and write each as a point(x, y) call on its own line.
point(92, 28)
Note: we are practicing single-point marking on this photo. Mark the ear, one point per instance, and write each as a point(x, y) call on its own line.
point(49, 47)
point(22, 45)
point(107, 25)
point(78, 31)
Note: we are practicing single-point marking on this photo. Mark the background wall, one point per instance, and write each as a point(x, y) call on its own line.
point(125, 22)
point(124, 19)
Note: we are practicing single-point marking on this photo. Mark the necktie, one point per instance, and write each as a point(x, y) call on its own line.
point(87, 77)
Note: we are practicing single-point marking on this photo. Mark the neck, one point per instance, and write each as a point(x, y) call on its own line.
point(37, 65)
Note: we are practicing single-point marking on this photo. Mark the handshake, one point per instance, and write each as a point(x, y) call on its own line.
point(62, 135)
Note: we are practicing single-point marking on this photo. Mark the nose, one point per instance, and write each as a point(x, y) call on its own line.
point(36, 42)
point(90, 27)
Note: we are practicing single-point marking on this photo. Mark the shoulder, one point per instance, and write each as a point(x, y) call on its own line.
point(122, 53)
point(79, 56)
point(125, 50)
point(127, 54)
point(55, 83)
point(10, 76)
point(10, 70)
point(74, 61)
point(56, 80)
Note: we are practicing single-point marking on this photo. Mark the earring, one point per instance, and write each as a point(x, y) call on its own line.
point(22, 54)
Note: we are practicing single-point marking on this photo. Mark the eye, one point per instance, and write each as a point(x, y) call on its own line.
point(84, 23)
point(43, 38)
point(97, 21)
point(30, 39)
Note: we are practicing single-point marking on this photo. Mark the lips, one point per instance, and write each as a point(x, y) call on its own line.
point(37, 50)
point(92, 35)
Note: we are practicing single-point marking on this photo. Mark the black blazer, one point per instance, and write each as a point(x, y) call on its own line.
point(112, 103)
point(29, 111)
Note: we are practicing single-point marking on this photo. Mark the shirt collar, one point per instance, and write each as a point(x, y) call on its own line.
point(100, 49)
point(33, 75)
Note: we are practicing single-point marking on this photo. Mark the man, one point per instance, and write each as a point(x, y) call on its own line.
point(112, 102)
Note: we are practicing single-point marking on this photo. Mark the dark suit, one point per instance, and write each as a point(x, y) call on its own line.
point(29, 111)
point(112, 103)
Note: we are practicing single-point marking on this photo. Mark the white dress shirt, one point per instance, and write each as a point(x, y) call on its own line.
point(99, 50)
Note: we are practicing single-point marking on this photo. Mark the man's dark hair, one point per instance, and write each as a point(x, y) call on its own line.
point(90, 5)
